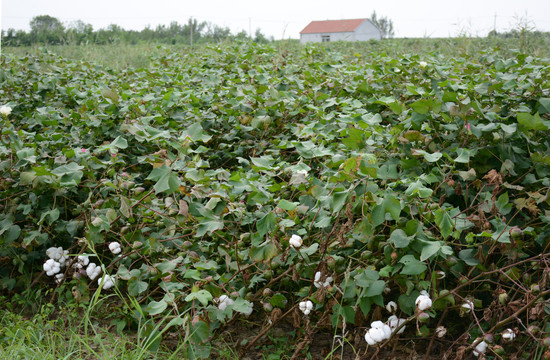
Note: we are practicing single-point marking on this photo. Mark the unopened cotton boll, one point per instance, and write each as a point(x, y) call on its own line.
point(480, 348)
point(423, 301)
point(51, 267)
point(394, 323)
point(93, 271)
point(295, 241)
point(55, 253)
point(115, 247)
point(108, 282)
point(391, 306)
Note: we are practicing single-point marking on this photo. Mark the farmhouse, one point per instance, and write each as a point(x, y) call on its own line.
point(344, 30)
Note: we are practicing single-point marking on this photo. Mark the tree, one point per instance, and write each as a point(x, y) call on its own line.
point(384, 24)
point(47, 29)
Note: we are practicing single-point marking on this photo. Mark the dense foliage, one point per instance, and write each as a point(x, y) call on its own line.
point(314, 186)
point(48, 30)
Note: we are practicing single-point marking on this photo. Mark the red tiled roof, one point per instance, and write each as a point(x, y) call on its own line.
point(331, 26)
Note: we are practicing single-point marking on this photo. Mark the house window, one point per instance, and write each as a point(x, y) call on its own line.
point(325, 38)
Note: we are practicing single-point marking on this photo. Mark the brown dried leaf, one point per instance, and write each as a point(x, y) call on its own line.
point(183, 208)
point(493, 178)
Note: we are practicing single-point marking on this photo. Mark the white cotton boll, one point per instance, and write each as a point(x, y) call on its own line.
point(327, 282)
point(55, 253)
point(224, 301)
point(423, 64)
point(377, 334)
point(82, 261)
point(440, 331)
point(376, 324)
point(369, 339)
point(391, 306)
point(423, 301)
point(115, 247)
point(305, 306)
point(468, 306)
point(108, 282)
point(508, 335)
point(316, 281)
point(480, 348)
point(5, 110)
point(295, 241)
point(59, 278)
point(249, 310)
point(51, 267)
point(93, 271)
point(394, 322)
point(64, 258)
point(387, 331)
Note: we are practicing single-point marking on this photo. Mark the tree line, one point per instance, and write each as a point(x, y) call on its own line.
point(48, 30)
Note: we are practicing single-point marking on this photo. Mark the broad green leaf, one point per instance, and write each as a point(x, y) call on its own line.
point(417, 188)
point(136, 287)
point(266, 224)
point(202, 296)
point(429, 248)
point(376, 288)
point(532, 122)
point(412, 265)
point(287, 205)
point(400, 239)
point(463, 156)
point(156, 307)
point(195, 132)
point(266, 251)
point(242, 306)
point(444, 222)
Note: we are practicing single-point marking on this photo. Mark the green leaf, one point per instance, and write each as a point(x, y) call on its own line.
point(463, 156)
point(412, 265)
point(202, 296)
point(444, 222)
point(468, 256)
point(266, 224)
point(287, 205)
point(136, 287)
point(266, 251)
point(338, 201)
point(400, 239)
point(167, 180)
point(208, 226)
point(125, 208)
point(195, 132)
point(417, 188)
point(429, 248)
point(242, 306)
point(278, 300)
point(376, 288)
point(156, 307)
point(532, 122)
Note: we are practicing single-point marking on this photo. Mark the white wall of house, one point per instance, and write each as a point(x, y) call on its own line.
point(363, 32)
point(338, 36)
point(367, 31)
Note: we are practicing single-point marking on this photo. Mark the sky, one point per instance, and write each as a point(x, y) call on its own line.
point(286, 18)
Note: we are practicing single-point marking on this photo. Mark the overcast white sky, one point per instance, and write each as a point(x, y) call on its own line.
point(286, 18)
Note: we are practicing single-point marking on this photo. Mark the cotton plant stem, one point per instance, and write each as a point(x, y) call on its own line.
point(509, 318)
